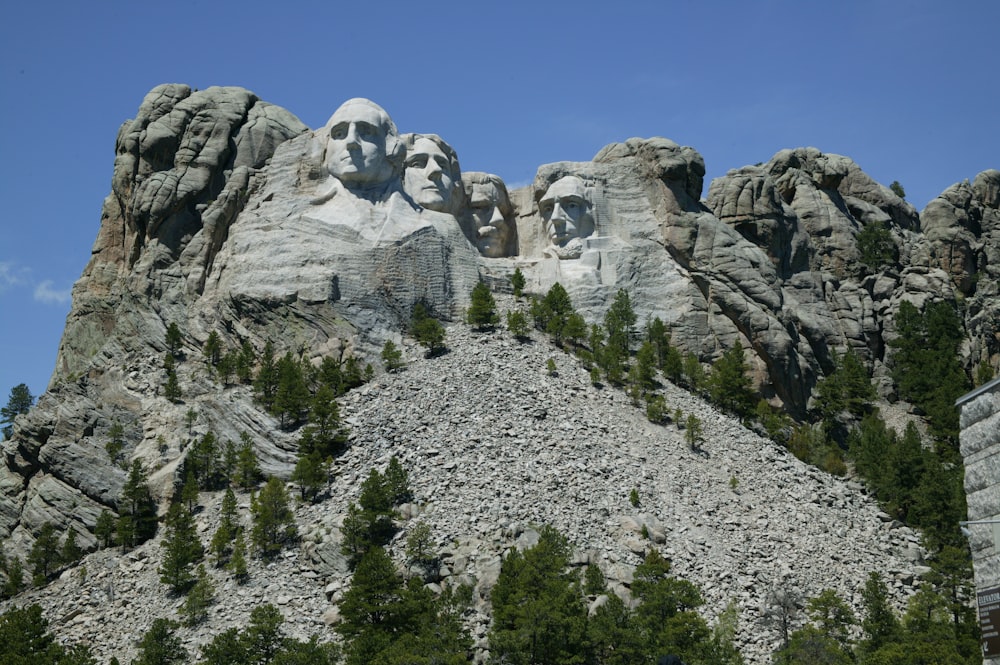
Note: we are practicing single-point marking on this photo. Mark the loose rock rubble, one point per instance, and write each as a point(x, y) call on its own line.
point(495, 447)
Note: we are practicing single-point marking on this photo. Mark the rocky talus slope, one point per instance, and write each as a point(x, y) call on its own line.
point(495, 447)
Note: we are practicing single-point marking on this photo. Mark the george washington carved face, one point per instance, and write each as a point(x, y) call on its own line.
point(363, 147)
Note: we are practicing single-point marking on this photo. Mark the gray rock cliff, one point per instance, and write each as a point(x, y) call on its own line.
point(228, 215)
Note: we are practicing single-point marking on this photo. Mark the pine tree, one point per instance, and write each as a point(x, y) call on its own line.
point(104, 528)
point(238, 561)
point(248, 472)
point(137, 510)
point(161, 646)
point(392, 357)
point(517, 324)
point(310, 474)
point(291, 396)
point(538, 610)
point(427, 330)
point(729, 384)
point(229, 527)
point(199, 598)
point(19, 402)
point(517, 282)
point(116, 443)
point(266, 383)
point(174, 339)
point(619, 321)
point(245, 362)
point(181, 549)
point(70, 552)
point(213, 348)
point(273, 521)
point(44, 554)
point(482, 312)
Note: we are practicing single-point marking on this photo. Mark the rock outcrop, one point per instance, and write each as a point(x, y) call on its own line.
point(229, 216)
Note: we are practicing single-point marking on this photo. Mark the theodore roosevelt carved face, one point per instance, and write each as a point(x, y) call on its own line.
point(490, 213)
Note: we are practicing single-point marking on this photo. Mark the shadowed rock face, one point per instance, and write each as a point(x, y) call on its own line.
point(228, 215)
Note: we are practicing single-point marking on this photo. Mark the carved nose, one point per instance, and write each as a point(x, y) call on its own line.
point(352, 136)
point(557, 211)
point(496, 217)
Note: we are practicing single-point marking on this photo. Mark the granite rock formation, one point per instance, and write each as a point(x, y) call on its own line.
point(228, 215)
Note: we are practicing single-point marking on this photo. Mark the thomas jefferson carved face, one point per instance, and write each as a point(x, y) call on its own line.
point(361, 145)
point(489, 209)
point(567, 210)
point(428, 176)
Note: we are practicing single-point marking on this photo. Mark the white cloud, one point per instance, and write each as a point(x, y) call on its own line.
point(46, 294)
point(10, 275)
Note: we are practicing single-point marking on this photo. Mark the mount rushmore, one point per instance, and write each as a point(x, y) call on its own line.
point(228, 215)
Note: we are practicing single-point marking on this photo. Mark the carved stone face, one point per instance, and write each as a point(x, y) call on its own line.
point(356, 144)
point(567, 210)
point(489, 207)
point(427, 177)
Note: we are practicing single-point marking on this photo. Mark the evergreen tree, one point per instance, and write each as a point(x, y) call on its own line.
point(229, 527)
point(694, 373)
point(14, 582)
point(213, 349)
point(161, 646)
point(181, 549)
point(926, 365)
point(392, 357)
point(847, 389)
point(310, 474)
point(876, 246)
point(658, 335)
point(189, 492)
point(665, 617)
point(199, 598)
point(729, 384)
point(116, 443)
point(673, 364)
point(44, 554)
point(245, 362)
point(692, 431)
point(137, 508)
point(517, 282)
point(538, 610)
point(291, 397)
point(104, 528)
point(879, 625)
point(238, 561)
point(25, 640)
point(174, 339)
point(70, 552)
point(482, 312)
point(517, 324)
point(427, 330)
point(273, 521)
point(265, 384)
point(18, 402)
point(248, 472)
point(619, 321)
point(172, 388)
point(397, 482)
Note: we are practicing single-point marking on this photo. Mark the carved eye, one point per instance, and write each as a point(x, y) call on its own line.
point(338, 133)
point(417, 161)
point(365, 130)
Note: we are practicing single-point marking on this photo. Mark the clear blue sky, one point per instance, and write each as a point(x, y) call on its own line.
point(909, 89)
